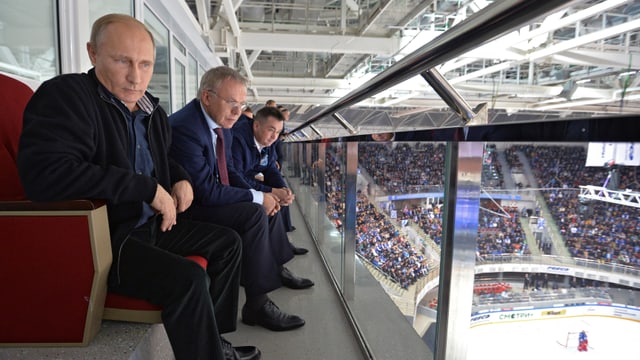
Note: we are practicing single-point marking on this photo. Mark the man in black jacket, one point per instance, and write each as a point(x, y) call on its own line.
point(100, 135)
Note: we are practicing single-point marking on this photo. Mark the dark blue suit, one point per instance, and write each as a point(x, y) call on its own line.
point(192, 147)
point(248, 161)
point(265, 244)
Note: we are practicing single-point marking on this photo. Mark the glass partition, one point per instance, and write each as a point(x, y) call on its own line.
point(192, 78)
point(180, 78)
point(160, 82)
point(28, 44)
point(461, 250)
point(315, 172)
point(98, 9)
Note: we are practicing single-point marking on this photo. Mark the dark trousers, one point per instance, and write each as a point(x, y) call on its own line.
point(197, 305)
point(286, 218)
point(265, 244)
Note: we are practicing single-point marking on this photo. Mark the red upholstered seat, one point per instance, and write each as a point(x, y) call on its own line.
point(14, 95)
point(54, 262)
point(54, 258)
point(123, 308)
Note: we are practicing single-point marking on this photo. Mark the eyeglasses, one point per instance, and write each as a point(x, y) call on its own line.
point(232, 103)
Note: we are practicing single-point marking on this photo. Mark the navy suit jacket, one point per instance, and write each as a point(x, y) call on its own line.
point(246, 159)
point(192, 147)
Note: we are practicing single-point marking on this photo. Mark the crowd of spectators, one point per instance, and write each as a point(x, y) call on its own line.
point(380, 242)
point(500, 233)
point(428, 217)
point(417, 167)
point(406, 167)
point(594, 230)
point(511, 155)
point(492, 176)
point(598, 230)
point(497, 235)
point(377, 239)
point(334, 195)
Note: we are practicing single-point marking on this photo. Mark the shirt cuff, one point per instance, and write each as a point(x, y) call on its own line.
point(258, 196)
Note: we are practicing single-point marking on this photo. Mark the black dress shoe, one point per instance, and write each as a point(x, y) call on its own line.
point(293, 228)
point(294, 282)
point(271, 317)
point(239, 352)
point(299, 250)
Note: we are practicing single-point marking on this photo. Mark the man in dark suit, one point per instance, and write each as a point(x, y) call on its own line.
point(254, 153)
point(202, 144)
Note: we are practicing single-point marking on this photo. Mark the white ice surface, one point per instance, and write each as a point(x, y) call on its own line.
point(609, 338)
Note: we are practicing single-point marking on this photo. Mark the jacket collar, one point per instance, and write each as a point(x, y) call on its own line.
point(147, 103)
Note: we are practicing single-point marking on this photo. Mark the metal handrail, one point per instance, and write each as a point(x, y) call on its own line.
point(554, 260)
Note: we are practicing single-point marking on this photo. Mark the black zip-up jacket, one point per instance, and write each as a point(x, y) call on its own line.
point(74, 145)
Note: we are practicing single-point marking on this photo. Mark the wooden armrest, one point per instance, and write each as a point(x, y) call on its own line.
point(26, 205)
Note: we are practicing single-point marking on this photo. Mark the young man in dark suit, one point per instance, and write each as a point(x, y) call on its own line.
point(255, 155)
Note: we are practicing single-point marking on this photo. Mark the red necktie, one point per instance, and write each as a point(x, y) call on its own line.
point(221, 157)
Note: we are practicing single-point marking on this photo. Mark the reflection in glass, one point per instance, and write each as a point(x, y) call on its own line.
point(192, 77)
point(330, 171)
point(180, 96)
point(402, 200)
point(159, 85)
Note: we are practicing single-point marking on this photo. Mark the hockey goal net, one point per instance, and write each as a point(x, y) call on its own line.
point(571, 340)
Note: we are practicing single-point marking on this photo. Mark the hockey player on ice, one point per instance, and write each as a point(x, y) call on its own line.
point(583, 342)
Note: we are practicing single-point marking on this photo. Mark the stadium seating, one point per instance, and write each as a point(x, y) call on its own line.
point(122, 308)
point(491, 288)
point(54, 257)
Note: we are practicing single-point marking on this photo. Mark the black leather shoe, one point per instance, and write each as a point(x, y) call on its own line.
point(292, 281)
point(271, 317)
point(299, 250)
point(293, 228)
point(239, 352)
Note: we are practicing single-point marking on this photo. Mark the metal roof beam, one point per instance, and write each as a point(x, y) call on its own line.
point(292, 83)
point(335, 44)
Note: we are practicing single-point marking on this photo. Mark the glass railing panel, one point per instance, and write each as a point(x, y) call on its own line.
point(295, 167)
point(331, 183)
point(400, 203)
point(316, 174)
point(579, 255)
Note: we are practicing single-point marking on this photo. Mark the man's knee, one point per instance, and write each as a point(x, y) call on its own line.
point(191, 278)
point(256, 213)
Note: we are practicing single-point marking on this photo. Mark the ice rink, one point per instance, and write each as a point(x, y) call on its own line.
point(609, 338)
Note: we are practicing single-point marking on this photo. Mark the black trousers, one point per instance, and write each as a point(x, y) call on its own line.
point(286, 218)
point(197, 305)
point(265, 245)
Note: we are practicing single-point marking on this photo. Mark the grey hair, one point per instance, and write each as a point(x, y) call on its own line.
point(212, 79)
point(99, 26)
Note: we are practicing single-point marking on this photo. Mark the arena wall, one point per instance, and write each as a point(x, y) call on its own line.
point(568, 310)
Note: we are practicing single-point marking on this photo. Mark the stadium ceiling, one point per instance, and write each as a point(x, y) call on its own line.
point(306, 54)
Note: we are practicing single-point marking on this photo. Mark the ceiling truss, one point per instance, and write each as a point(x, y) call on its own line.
point(309, 53)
